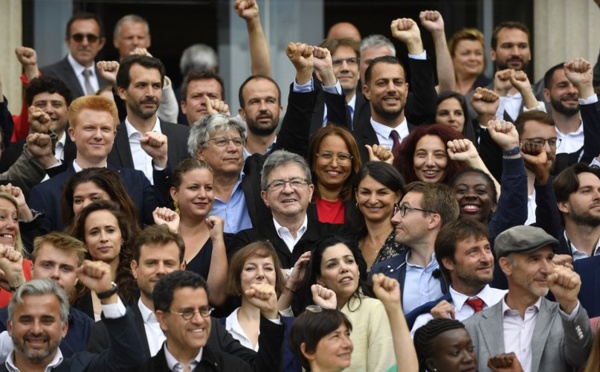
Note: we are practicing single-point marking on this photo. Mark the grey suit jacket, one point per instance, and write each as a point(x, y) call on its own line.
point(557, 344)
point(63, 70)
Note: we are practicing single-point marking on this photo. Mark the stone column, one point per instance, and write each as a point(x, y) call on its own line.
point(564, 29)
point(10, 38)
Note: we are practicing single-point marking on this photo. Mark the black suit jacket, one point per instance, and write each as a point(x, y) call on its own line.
point(177, 136)
point(63, 70)
point(268, 357)
point(210, 362)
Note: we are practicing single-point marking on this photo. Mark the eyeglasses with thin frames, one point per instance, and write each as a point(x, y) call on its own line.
point(188, 314)
point(91, 38)
point(223, 141)
point(342, 158)
point(552, 142)
point(403, 209)
point(295, 183)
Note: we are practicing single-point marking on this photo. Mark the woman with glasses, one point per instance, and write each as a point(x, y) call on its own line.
point(255, 264)
point(193, 197)
point(108, 236)
point(378, 188)
point(333, 270)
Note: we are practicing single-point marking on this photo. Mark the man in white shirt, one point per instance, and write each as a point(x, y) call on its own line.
point(140, 84)
point(465, 257)
point(84, 38)
point(545, 335)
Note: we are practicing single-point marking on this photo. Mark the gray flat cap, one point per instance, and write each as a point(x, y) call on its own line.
point(522, 239)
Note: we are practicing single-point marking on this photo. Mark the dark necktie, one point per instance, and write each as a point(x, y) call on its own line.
point(396, 142)
point(476, 303)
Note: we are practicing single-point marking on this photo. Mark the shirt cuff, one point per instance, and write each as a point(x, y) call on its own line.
point(287, 312)
point(572, 316)
point(334, 89)
point(589, 100)
point(276, 320)
point(157, 168)
point(595, 163)
point(421, 57)
point(304, 88)
point(57, 164)
point(114, 311)
point(540, 107)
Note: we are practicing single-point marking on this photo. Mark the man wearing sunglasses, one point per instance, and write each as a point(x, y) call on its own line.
point(85, 38)
point(423, 211)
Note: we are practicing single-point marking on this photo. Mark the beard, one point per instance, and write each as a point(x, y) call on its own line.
point(560, 108)
point(261, 130)
point(36, 356)
point(586, 219)
point(387, 115)
point(504, 66)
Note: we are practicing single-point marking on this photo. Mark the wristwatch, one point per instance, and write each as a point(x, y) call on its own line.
point(106, 294)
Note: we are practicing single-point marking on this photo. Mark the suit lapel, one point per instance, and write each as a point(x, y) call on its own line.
point(69, 74)
point(122, 149)
point(543, 325)
point(139, 324)
point(491, 329)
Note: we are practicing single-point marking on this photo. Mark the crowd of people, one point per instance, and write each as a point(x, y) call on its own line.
point(441, 220)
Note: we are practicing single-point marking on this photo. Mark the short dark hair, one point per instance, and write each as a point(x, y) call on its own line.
point(262, 249)
point(550, 74)
point(488, 179)
point(123, 76)
point(84, 16)
point(567, 181)
point(451, 234)
point(437, 197)
point(425, 336)
point(47, 84)
point(310, 327)
point(509, 25)
point(533, 115)
point(468, 130)
point(201, 75)
point(255, 77)
point(383, 59)
point(162, 296)
point(160, 235)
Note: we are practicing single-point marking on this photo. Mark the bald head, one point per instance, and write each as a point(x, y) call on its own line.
point(343, 29)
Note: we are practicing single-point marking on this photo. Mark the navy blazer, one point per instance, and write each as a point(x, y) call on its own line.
point(46, 197)
point(589, 271)
point(63, 70)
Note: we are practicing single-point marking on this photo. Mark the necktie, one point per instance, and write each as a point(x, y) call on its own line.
point(476, 303)
point(349, 116)
point(89, 90)
point(396, 140)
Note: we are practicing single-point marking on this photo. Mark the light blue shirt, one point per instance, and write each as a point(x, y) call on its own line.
point(420, 285)
point(234, 212)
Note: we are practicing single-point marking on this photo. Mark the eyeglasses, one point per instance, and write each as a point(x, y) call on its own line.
point(336, 62)
point(90, 37)
point(342, 158)
point(552, 142)
point(403, 209)
point(295, 183)
point(188, 314)
point(222, 141)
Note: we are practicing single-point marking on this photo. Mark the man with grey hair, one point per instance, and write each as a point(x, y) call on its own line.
point(198, 57)
point(545, 335)
point(38, 319)
point(287, 190)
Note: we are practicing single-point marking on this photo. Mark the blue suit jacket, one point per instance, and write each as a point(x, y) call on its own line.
point(46, 197)
point(589, 271)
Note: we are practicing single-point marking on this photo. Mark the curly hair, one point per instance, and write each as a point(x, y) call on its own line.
point(425, 336)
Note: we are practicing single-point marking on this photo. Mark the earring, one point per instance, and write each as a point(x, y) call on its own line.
point(176, 203)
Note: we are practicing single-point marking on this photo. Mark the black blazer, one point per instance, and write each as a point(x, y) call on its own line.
point(210, 362)
point(177, 136)
point(63, 70)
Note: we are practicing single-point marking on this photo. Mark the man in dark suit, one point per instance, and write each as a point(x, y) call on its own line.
point(85, 38)
point(545, 335)
point(48, 99)
point(181, 306)
point(93, 126)
point(40, 309)
point(158, 252)
point(56, 256)
point(140, 83)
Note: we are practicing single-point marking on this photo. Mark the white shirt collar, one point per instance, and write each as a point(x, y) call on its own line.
point(79, 169)
point(281, 229)
point(352, 103)
point(57, 360)
point(173, 363)
point(78, 67)
point(147, 314)
point(384, 130)
point(486, 294)
point(131, 131)
point(535, 306)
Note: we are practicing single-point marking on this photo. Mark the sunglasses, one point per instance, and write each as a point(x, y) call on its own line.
point(90, 37)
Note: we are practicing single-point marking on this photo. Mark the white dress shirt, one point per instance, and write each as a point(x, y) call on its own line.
point(175, 366)
point(285, 234)
point(154, 334)
point(233, 326)
point(383, 132)
point(141, 160)
point(78, 69)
